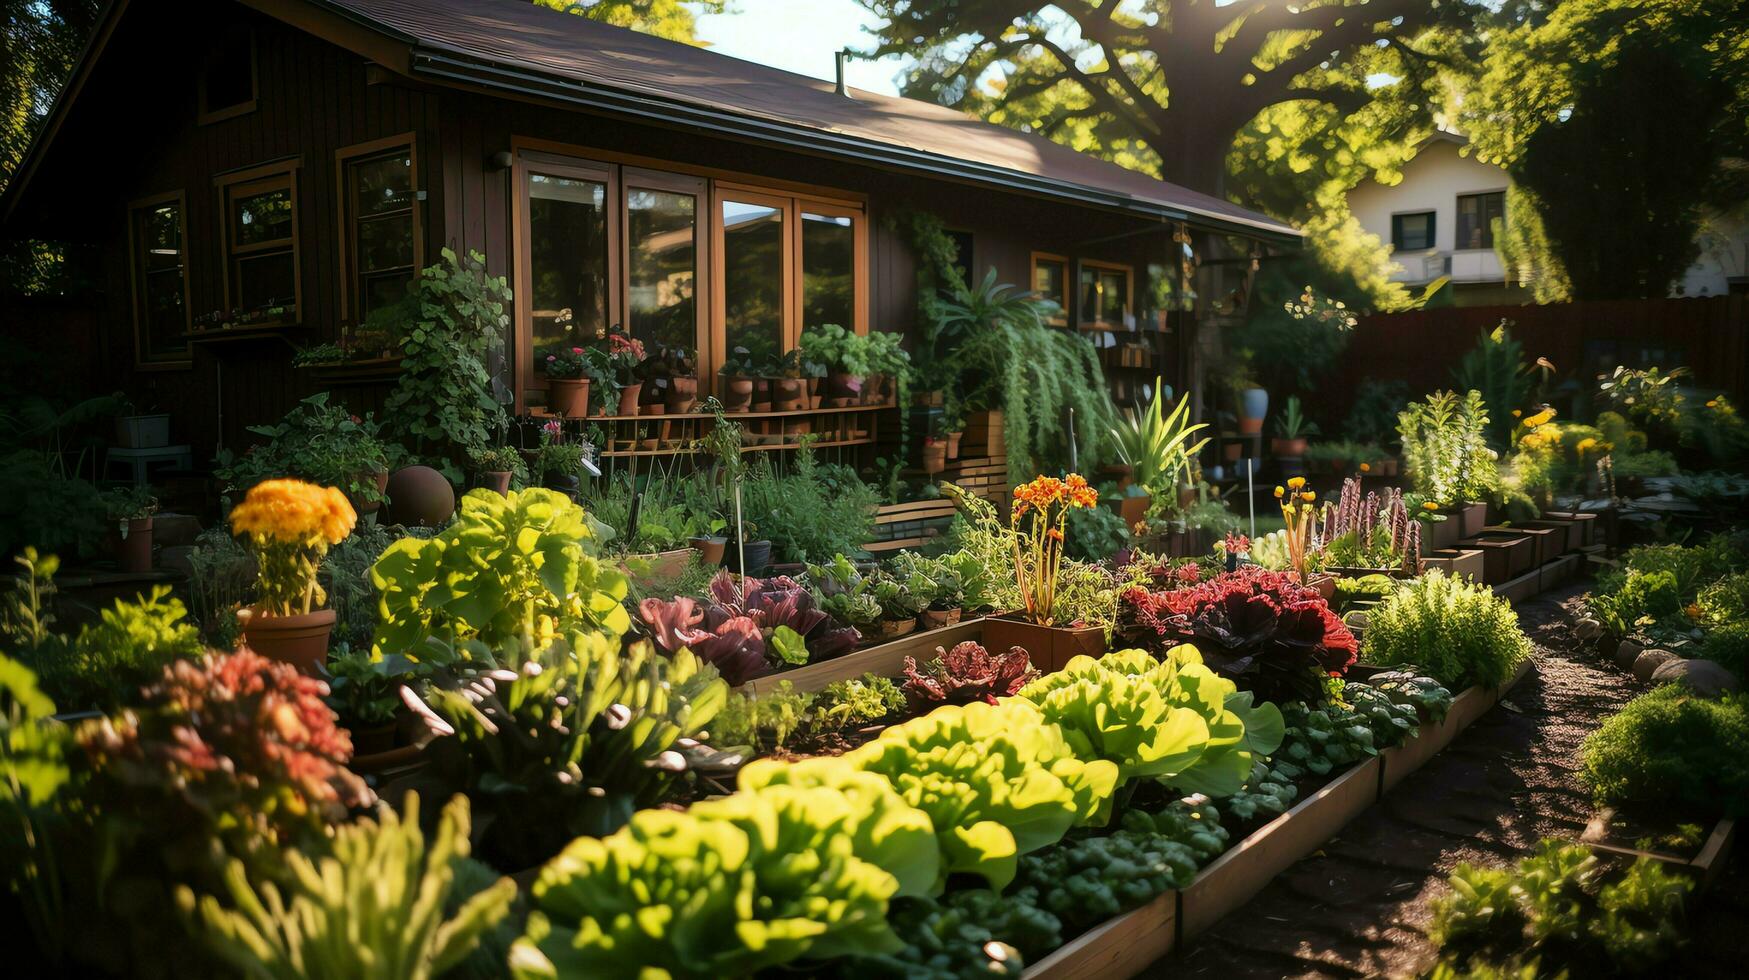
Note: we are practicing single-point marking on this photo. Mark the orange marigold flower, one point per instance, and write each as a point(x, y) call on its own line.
point(1296, 483)
point(1366, 467)
point(1308, 496)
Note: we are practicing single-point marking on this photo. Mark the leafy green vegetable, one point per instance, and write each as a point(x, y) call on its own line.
point(1672, 749)
point(372, 907)
point(1458, 632)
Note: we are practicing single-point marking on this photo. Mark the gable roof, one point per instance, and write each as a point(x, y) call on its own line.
point(517, 47)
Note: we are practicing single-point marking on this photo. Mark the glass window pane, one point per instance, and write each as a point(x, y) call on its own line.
point(567, 223)
point(383, 184)
point(265, 280)
point(828, 271)
point(1049, 281)
point(263, 217)
point(161, 238)
point(1114, 296)
point(663, 250)
point(381, 291)
point(385, 243)
point(753, 242)
point(161, 299)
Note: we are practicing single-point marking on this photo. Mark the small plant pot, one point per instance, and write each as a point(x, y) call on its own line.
point(365, 507)
point(934, 457)
point(497, 481)
point(1134, 509)
point(737, 393)
point(934, 619)
point(1049, 647)
point(1250, 427)
point(816, 392)
point(1232, 451)
point(1253, 404)
point(134, 554)
point(788, 394)
point(568, 397)
point(142, 431)
point(953, 444)
point(710, 549)
point(628, 398)
point(757, 553)
point(682, 394)
point(892, 629)
point(300, 640)
point(844, 389)
point(1288, 447)
point(1325, 584)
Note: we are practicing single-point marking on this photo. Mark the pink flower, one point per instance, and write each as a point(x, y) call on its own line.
point(576, 350)
point(552, 428)
point(552, 357)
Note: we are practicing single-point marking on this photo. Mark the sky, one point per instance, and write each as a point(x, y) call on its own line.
point(800, 36)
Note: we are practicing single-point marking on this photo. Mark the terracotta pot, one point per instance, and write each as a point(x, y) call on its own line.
point(953, 444)
point(568, 396)
point(628, 398)
point(497, 481)
point(135, 552)
point(844, 388)
point(1049, 647)
point(419, 496)
point(363, 506)
point(816, 392)
point(1288, 447)
point(1250, 427)
point(1325, 584)
point(682, 394)
point(649, 569)
point(892, 629)
point(710, 550)
point(1133, 509)
point(934, 619)
point(737, 393)
point(934, 457)
point(1231, 451)
point(300, 640)
point(788, 394)
point(874, 390)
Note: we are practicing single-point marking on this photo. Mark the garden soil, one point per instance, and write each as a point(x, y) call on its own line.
point(1360, 906)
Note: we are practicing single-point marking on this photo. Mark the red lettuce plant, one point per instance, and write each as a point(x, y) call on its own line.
point(233, 741)
point(1262, 629)
point(968, 673)
point(734, 631)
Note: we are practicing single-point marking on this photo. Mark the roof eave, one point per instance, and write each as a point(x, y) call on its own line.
point(456, 69)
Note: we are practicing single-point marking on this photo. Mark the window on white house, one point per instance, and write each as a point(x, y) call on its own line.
point(1412, 232)
point(1476, 214)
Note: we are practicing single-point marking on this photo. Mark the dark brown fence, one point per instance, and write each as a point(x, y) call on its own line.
point(1710, 336)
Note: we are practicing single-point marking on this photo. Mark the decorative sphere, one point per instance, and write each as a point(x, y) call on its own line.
point(419, 496)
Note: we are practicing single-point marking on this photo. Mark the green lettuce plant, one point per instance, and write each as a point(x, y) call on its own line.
point(1173, 719)
point(371, 907)
point(511, 566)
point(568, 738)
point(997, 780)
point(730, 887)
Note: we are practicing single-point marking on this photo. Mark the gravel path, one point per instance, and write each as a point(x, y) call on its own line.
point(1359, 907)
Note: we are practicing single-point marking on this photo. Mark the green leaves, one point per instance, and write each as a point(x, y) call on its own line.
point(788, 645)
point(509, 566)
point(371, 908)
point(727, 888)
point(1157, 445)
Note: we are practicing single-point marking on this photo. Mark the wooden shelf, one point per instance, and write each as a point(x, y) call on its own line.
point(358, 372)
point(765, 447)
point(235, 335)
point(542, 413)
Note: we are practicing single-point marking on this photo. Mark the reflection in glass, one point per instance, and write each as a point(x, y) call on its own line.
point(263, 217)
point(828, 271)
point(753, 278)
point(158, 250)
point(661, 229)
point(1050, 281)
point(1105, 295)
point(567, 258)
point(382, 211)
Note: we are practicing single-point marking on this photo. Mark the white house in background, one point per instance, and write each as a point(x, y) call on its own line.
point(1440, 222)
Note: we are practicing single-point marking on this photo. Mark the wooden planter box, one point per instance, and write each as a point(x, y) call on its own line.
point(1704, 866)
point(1548, 543)
point(1571, 533)
point(884, 660)
point(1119, 947)
point(1050, 647)
point(1441, 535)
point(1589, 533)
point(1505, 555)
point(1471, 704)
point(1456, 562)
point(1473, 516)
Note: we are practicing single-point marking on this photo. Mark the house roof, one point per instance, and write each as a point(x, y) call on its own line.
point(515, 46)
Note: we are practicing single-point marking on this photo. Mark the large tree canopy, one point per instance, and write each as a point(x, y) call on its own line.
point(1161, 85)
point(675, 20)
point(1620, 123)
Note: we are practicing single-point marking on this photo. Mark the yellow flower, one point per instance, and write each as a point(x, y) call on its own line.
point(1541, 418)
point(1429, 506)
point(1713, 404)
point(1279, 492)
point(1585, 445)
point(1516, 413)
point(294, 512)
point(1308, 496)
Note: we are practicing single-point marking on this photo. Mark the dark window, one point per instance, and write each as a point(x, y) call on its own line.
point(754, 241)
point(1412, 232)
point(227, 77)
point(567, 221)
point(379, 212)
point(1105, 294)
point(1476, 214)
point(261, 247)
point(1050, 280)
point(160, 293)
point(828, 270)
point(662, 241)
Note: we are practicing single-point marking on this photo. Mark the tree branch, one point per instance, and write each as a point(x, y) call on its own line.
point(1089, 82)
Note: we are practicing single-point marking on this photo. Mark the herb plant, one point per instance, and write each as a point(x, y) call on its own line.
point(1673, 749)
point(1460, 633)
point(1445, 448)
point(318, 441)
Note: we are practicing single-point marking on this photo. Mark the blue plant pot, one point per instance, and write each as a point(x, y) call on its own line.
point(1254, 402)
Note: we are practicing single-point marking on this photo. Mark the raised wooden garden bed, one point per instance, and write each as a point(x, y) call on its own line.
point(1590, 531)
point(1505, 554)
point(1704, 865)
point(1570, 533)
point(1456, 562)
point(1549, 543)
point(884, 660)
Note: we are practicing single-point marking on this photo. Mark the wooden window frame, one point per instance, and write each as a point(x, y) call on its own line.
point(1129, 301)
point(143, 361)
point(203, 116)
point(526, 163)
point(712, 186)
point(251, 180)
point(1068, 287)
point(1432, 228)
point(1457, 219)
point(344, 158)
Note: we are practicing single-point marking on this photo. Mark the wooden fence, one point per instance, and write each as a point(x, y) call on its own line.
point(1709, 335)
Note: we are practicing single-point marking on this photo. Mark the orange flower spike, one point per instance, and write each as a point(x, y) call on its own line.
point(1308, 496)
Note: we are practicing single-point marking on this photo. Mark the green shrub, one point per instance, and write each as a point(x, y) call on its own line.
point(1725, 601)
point(1459, 633)
point(1672, 748)
point(1728, 646)
point(811, 512)
point(1563, 910)
point(373, 906)
point(1642, 595)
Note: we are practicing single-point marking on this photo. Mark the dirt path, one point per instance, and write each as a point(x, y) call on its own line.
point(1359, 907)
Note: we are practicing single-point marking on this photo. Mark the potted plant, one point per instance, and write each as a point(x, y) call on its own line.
point(738, 371)
point(1449, 463)
point(1036, 523)
point(130, 512)
point(789, 391)
point(321, 442)
point(567, 371)
point(560, 461)
point(888, 364)
point(899, 605)
point(846, 358)
point(934, 455)
point(289, 525)
point(135, 430)
point(953, 425)
point(498, 467)
point(624, 358)
point(366, 693)
point(671, 379)
point(1292, 427)
point(937, 585)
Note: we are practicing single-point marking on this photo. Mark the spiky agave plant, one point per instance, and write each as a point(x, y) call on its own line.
point(1156, 444)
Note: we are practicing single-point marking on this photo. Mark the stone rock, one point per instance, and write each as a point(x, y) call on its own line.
point(1649, 661)
point(1705, 678)
point(1625, 654)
